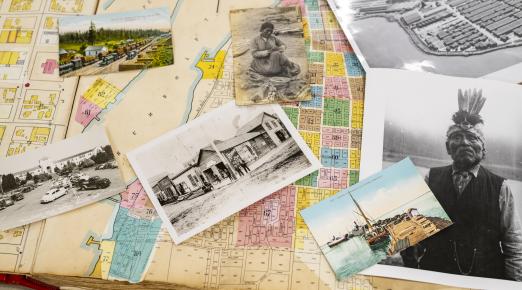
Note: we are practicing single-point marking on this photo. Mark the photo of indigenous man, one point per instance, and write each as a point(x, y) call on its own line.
point(270, 62)
point(486, 237)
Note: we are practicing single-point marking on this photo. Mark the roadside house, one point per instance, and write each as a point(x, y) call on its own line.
point(92, 50)
point(217, 164)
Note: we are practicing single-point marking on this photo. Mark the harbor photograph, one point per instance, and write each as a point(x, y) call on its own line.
point(375, 218)
point(468, 38)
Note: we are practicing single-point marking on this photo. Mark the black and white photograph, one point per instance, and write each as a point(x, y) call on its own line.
point(464, 137)
point(208, 169)
point(466, 38)
point(270, 63)
point(57, 178)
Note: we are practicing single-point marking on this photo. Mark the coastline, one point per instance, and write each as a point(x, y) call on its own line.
point(421, 46)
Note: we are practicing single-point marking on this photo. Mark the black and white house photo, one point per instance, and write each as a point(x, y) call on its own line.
point(464, 136)
point(270, 63)
point(219, 163)
point(57, 178)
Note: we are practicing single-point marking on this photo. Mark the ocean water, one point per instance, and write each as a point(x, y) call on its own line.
point(352, 256)
point(385, 44)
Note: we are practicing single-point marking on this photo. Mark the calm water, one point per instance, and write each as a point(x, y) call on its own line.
point(394, 49)
point(352, 256)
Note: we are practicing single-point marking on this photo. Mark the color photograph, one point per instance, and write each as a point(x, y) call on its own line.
point(375, 218)
point(107, 43)
point(57, 178)
point(270, 63)
point(206, 170)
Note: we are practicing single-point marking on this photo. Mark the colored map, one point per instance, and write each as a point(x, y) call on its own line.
point(126, 250)
point(97, 98)
point(265, 246)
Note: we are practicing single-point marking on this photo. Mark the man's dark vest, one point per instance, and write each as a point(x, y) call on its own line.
point(471, 246)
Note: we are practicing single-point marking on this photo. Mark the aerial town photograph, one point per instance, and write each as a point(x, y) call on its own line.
point(455, 37)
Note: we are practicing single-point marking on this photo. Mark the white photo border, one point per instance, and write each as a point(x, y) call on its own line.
point(371, 162)
point(177, 238)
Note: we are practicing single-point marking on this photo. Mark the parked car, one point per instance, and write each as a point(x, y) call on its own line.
point(53, 194)
point(17, 196)
point(95, 182)
point(5, 202)
point(77, 178)
point(27, 188)
point(108, 165)
point(62, 182)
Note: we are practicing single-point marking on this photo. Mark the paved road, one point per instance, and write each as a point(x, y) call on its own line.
point(30, 209)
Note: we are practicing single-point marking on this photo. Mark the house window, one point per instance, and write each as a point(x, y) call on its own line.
point(192, 180)
point(268, 126)
point(274, 123)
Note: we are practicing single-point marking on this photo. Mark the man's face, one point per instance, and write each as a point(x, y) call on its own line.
point(266, 32)
point(465, 148)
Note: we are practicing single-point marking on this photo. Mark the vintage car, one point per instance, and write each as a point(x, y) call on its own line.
point(18, 195)
point(78, 178)
point(27, 188)
point(53, 194)
point(5, 202)
point(94, 182)
point(108, 165)
point(62, 182)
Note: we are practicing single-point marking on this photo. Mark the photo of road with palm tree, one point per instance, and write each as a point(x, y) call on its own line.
point(109, 43)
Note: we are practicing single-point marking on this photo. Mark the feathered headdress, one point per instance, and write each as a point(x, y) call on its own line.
point(467, 118)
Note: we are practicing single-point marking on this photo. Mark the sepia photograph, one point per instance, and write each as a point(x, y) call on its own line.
point(114, 42)
point(466, 38)
point(57, 178)
point(270, 63)
point(204, 171)
point(464, 136)
point(375, 218)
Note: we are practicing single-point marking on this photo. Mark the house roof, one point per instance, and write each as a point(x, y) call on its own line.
point(63, 51)
point(252, 124)
point(230, 143)
point(182, 172)
point(234, 141)
point(94, 47)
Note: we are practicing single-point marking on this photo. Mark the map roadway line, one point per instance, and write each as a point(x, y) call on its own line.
point(216, 80)
point(190, 95)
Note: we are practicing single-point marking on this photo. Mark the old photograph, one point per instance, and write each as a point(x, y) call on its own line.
point(270, 63)
point(107, 43)
point(206, 170)
point(464, 136)
point(375, 218)
point(467, 38)
point(57, 178)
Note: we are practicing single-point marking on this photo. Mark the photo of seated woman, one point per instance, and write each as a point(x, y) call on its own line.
point(270, 62)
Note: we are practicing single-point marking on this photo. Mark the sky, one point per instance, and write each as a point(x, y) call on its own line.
point(56, 151)
point(434, 99)
point(377, 194)
point(157, 18)
point(170, 152)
